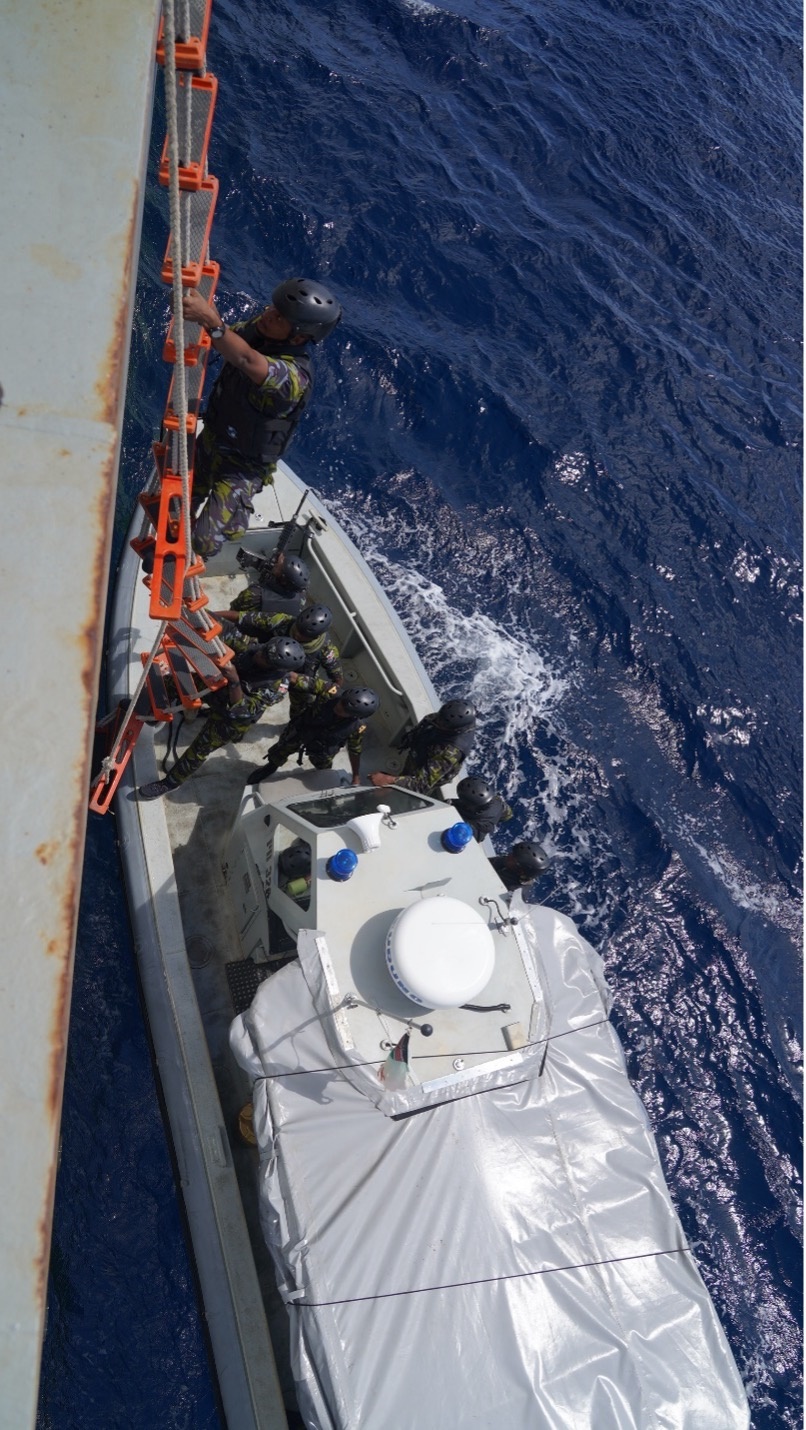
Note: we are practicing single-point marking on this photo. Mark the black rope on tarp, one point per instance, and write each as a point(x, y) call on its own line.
point(422, 1057)
point(488, 1280)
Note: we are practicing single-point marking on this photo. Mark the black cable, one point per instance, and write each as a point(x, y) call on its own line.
point(173, 736)
point(488, 1280)
point(422, 1057)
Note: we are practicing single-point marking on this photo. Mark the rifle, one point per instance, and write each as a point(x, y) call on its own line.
point(265, 566)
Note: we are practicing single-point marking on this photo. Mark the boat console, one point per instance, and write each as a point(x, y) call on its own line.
point(415, 938)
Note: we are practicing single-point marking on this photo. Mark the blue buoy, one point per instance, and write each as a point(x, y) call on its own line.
point(457, 837)
point(341, 866)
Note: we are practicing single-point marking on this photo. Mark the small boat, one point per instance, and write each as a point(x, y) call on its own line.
point(420, 1188)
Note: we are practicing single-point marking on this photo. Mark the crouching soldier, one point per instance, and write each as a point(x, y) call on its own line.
point(437, 749)
point(480, 806)
point(256, 679)
point(321, 730)
point(524, 863)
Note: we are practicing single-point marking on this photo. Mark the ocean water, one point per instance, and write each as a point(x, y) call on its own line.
point(561, 418)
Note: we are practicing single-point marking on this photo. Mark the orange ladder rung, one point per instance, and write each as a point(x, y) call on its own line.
point(104, 788)
point(199, 659)
point(170, 552)
point(197, 338)
point(192, 172)
point(156, 691)
point(203, 203)
point(182, 677)
point(190, 49)
point(194, 384)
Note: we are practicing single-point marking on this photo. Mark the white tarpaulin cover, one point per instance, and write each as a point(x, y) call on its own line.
point(506, 1261)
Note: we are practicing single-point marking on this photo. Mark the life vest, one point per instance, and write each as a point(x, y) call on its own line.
point(259, 435)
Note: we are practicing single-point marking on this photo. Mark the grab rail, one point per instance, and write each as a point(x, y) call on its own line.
point(352, 617)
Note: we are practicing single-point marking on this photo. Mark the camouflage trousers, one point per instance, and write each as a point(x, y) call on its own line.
point(222, 496)
point(219, 729)
point(292, 740)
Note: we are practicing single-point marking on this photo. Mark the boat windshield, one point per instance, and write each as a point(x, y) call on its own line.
point(330, 810)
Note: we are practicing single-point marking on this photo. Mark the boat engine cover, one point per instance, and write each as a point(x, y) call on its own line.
point(440, 952)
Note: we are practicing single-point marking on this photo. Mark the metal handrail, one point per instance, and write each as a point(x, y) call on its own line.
point(352, 617)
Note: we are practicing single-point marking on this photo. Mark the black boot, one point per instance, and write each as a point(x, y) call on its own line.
point(157, 788)
point(262, 773)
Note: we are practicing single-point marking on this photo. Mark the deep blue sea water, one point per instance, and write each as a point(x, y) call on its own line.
point(561, 417)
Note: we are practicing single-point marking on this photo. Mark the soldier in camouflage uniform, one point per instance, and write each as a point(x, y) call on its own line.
point(256, 679)
point(284, 592)
point(254, 405)
point(437, 749)
point(310, 628)
point(323, 729)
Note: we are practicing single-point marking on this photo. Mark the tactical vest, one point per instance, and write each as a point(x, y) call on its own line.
point(237, 423)
point(253, 676)
point(281, 603)
point(510, 877)
point(485, 821)
point(427, 736)
point(324, 732)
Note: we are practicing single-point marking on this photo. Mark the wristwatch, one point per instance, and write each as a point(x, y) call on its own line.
point(217, 332)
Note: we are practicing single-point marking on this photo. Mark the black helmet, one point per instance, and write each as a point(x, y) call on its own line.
point(282, 654)
point(456, 715)
point(295, 861)
point(475, 794)
point(295, 572)
point(312, 621)
point(309, 307)
point(531, 859)
point(359, 700)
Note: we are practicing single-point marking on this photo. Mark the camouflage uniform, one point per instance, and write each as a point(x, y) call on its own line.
point(317, 731)
point(435, 757)
point(320, 653)
point(280, 603)
point(227, 724)
point(225, 481)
